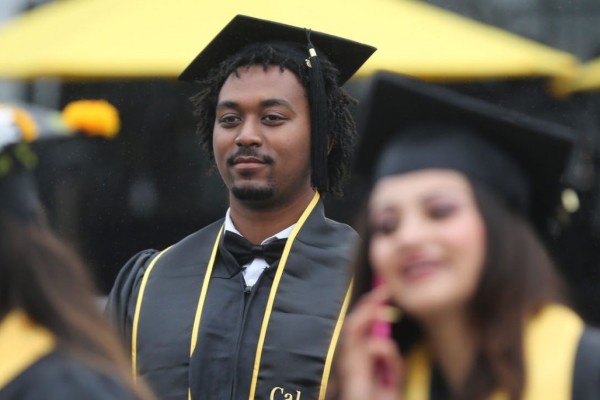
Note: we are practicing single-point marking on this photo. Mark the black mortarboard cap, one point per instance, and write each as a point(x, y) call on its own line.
point(407, 125)
point(346, 55)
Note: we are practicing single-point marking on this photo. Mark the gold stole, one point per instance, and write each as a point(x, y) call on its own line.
point(22, 343)
point(550, 342)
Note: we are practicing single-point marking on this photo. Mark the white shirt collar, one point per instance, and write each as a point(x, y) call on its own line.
point(280, 235)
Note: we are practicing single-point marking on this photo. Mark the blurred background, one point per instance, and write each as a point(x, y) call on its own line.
point(153, 185)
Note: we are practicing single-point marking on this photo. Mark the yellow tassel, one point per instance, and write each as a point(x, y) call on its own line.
point(92, 117)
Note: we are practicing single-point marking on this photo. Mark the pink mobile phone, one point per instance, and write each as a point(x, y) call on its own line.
point(381, 327)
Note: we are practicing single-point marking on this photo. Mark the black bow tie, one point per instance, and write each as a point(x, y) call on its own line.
point(244, 251)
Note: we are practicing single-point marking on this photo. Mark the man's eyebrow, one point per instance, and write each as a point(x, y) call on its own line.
point(265, 103)
point(276, 102)
point(228, 104)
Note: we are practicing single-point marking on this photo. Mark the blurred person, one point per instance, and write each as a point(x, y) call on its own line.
point(251, 305)
point(461, 200)
point(54, 342)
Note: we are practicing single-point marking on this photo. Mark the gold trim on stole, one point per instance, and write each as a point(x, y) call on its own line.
point(334, 340)
point(271, 300)
point(418, 374)
point(22, 343)
point(550, 341)
point(136, 314)
point(202, 298)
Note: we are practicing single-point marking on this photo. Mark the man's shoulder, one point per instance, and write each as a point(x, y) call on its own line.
point(341, 227)
point(325, 233)
point(200, 241)
point(209, 230)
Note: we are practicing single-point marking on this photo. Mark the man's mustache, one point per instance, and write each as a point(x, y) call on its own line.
point(249, 152)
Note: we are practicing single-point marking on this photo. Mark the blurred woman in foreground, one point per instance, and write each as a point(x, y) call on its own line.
point(54, 343)
point(459, 190)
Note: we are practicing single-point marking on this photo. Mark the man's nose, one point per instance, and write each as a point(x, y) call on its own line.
point(249, 133)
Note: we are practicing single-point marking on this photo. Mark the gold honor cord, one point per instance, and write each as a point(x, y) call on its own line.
point(278, 274)
point(136, 315)
point(334, 340)
point(203, 291)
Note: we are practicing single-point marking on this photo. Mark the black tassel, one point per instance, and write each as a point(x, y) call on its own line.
point(317, 97)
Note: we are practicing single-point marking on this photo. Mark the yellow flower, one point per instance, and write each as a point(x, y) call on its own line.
point(92, 117)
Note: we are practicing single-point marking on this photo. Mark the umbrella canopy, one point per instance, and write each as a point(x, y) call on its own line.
point(587, 77)
point(156, 38)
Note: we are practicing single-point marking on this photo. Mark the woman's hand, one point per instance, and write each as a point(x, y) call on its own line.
point(370, 366)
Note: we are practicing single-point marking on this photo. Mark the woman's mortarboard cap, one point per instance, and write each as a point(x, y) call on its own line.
point(407, 125)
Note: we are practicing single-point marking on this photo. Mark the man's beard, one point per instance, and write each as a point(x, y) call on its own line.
point(253, 194)
point(250, 193)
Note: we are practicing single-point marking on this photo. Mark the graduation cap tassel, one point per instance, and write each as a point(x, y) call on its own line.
point(319, 119)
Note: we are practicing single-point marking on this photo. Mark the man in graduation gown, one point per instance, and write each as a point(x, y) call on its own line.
point(251, 305)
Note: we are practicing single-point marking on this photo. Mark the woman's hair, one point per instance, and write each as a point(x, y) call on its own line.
point(340, 121)
point(518, 278)
point(44, 278)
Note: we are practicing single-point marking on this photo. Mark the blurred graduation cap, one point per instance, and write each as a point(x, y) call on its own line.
point(21, 124)
point(306, 47)
point(407, 125)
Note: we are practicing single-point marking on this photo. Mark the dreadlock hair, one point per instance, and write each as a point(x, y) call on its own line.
point(339, 102)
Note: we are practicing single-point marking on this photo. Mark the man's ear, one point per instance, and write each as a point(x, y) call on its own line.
point(329, 143)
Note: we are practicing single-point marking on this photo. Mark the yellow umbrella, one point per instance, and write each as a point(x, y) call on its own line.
point(157, 38)
point(587, 77)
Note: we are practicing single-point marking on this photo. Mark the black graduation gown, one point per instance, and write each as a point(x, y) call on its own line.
point(302, 319)
point(56, 377)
